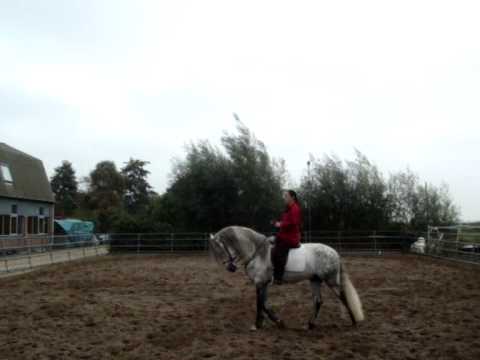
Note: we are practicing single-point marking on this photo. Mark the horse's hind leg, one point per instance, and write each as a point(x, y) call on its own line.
point(343, 299)
point(316, 286)
point(340, 293)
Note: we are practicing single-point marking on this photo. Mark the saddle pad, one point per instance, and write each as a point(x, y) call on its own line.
point(297, 259)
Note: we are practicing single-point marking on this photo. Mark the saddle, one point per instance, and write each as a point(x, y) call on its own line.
point(297, 259)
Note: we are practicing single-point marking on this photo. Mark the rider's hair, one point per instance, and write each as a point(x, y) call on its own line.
point(293, 194)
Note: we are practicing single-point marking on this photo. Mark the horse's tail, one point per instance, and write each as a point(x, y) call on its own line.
point(351, 295)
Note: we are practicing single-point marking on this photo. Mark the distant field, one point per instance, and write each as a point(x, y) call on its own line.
point(472, 238)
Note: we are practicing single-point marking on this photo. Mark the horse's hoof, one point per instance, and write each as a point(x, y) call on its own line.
point(280, 324)
point(311, 326)
point(253, 328)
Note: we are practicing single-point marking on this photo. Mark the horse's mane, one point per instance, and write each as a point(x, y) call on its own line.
point(244, 240)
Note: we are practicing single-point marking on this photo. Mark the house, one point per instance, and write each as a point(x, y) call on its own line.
point(26, 198)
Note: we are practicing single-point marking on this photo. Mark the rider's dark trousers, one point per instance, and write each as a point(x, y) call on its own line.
point(279, 259)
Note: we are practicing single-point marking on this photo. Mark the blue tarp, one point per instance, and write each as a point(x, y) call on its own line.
point(78, 231)
point(75, 226)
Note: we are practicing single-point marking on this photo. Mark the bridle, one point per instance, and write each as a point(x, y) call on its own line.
point(232, 267)
point(231, 260)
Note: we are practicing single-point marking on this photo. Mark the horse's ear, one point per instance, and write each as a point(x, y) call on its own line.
point(212, 236)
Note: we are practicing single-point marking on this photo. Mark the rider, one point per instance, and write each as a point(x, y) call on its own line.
point(288, 235)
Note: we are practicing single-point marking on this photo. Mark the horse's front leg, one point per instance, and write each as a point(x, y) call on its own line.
point(260, 307)
point(268, 310)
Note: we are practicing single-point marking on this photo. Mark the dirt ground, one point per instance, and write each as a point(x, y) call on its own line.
point(185, 307)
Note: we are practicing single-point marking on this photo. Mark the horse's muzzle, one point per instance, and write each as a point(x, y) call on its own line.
point(231, 267)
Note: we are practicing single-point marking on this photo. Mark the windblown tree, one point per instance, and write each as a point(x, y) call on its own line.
point(416, 205)
point(137, 189)
point(203, 194)
point(325, 191)
point(65, 187)
point(346, 195)
point(211, 189)
point(403, 196)
point(105, 193)
point(258, 178)
point(434, 206)
point(355, 195)
point(161, 215)
point(369, 205)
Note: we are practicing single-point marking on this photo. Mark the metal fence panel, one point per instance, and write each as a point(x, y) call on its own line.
point(23, 253)
point(458, 242)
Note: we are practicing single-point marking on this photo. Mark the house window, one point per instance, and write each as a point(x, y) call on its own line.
point(14, 209)
point(6, 174)
point(13, 225)
point(5, 225)
point(32, 224)
point(41, 225)
point(47, 225)
point(40, 210)
point(20, 224)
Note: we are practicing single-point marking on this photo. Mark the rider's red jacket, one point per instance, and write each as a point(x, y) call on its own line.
point(290, 226)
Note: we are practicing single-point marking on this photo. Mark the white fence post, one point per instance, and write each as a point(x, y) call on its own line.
point(138, 244)
point(68, 251)
point(30, 253)
point(97, 243)
point(84, 244)
point(4, 251)
point(50, 248)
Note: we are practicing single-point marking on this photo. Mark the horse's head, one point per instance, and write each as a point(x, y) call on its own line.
point(222, 252)
point(235, 244)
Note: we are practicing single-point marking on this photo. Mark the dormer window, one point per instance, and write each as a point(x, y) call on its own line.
point(6, 174)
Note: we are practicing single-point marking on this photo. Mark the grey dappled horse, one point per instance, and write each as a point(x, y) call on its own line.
point(235, 244)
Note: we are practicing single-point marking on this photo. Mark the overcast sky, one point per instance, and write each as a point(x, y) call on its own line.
point(398, 80)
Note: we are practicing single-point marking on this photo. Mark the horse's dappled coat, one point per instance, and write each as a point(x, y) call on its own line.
point(236, 244)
